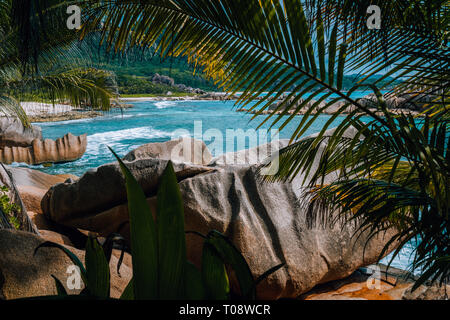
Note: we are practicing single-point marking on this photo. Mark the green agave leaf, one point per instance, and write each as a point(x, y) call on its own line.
point(321, 45)
point(171, 237)
point(144, 242)
point(231, 256)
point(341, 65)
point(268, 273)
point(128, 292)
point(59, 287)
point(72, 256)
point(214, 274)
point(97, 269)
point(194, 289)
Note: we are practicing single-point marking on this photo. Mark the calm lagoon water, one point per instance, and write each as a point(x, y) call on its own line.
point(151, 121)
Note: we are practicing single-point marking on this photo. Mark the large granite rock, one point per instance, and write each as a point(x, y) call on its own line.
point(179, 150)
point(250, 156)
point(67, 148)
point(266, 221)
point(80, 202)
point(23, 274)
point(33, 185)
point(14, 134)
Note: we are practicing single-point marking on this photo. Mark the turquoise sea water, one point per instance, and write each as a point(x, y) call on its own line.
point(160, 121)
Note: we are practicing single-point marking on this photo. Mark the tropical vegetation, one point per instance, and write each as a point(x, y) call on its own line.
point(39, 61)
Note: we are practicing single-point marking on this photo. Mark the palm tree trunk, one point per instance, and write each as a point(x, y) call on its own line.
point(6, 179)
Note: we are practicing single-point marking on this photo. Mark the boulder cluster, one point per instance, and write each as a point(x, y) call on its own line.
point(407, 104)
point(162, 79)
point(265, 221)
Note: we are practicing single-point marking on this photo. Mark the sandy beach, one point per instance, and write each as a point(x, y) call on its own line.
point(47, 112)
point(39, 108)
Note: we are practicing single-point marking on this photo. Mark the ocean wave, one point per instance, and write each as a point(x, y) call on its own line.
point(165, 104)
point(26, 165)
point(113, 138)
point(47, 123)
point(124, 116)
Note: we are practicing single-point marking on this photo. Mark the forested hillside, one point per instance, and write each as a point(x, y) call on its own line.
point(135, 71)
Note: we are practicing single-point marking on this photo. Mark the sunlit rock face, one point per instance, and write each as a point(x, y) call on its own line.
point(14, 134)
point(184, 149)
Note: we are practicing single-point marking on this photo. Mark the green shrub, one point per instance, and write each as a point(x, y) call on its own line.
point(9, 208)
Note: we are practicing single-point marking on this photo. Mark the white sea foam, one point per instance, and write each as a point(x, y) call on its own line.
point(52, 123)
point(124, 116)
point(114, 138)
point(165, 104)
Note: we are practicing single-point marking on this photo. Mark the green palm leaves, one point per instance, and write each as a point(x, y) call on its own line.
point(393, 170)
point(247, 46)
point(39, 60)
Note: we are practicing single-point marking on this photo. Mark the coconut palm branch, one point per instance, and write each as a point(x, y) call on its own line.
point(412, 44)
point(287, 46)
point(39, 56)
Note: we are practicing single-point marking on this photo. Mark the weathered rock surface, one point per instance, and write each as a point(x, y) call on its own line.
point(266, 222)
point(180, 150)
point(67, 148)
point(250, 156)
point(33, 184)
point(24, 274)
point(81, 203)
point(13, 133)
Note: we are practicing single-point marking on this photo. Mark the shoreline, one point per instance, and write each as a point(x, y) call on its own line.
point(66, 116)
point(38, 112)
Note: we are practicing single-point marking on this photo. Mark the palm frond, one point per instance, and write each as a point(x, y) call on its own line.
point(11, 107)
point(390, 170)
point(40, 57)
